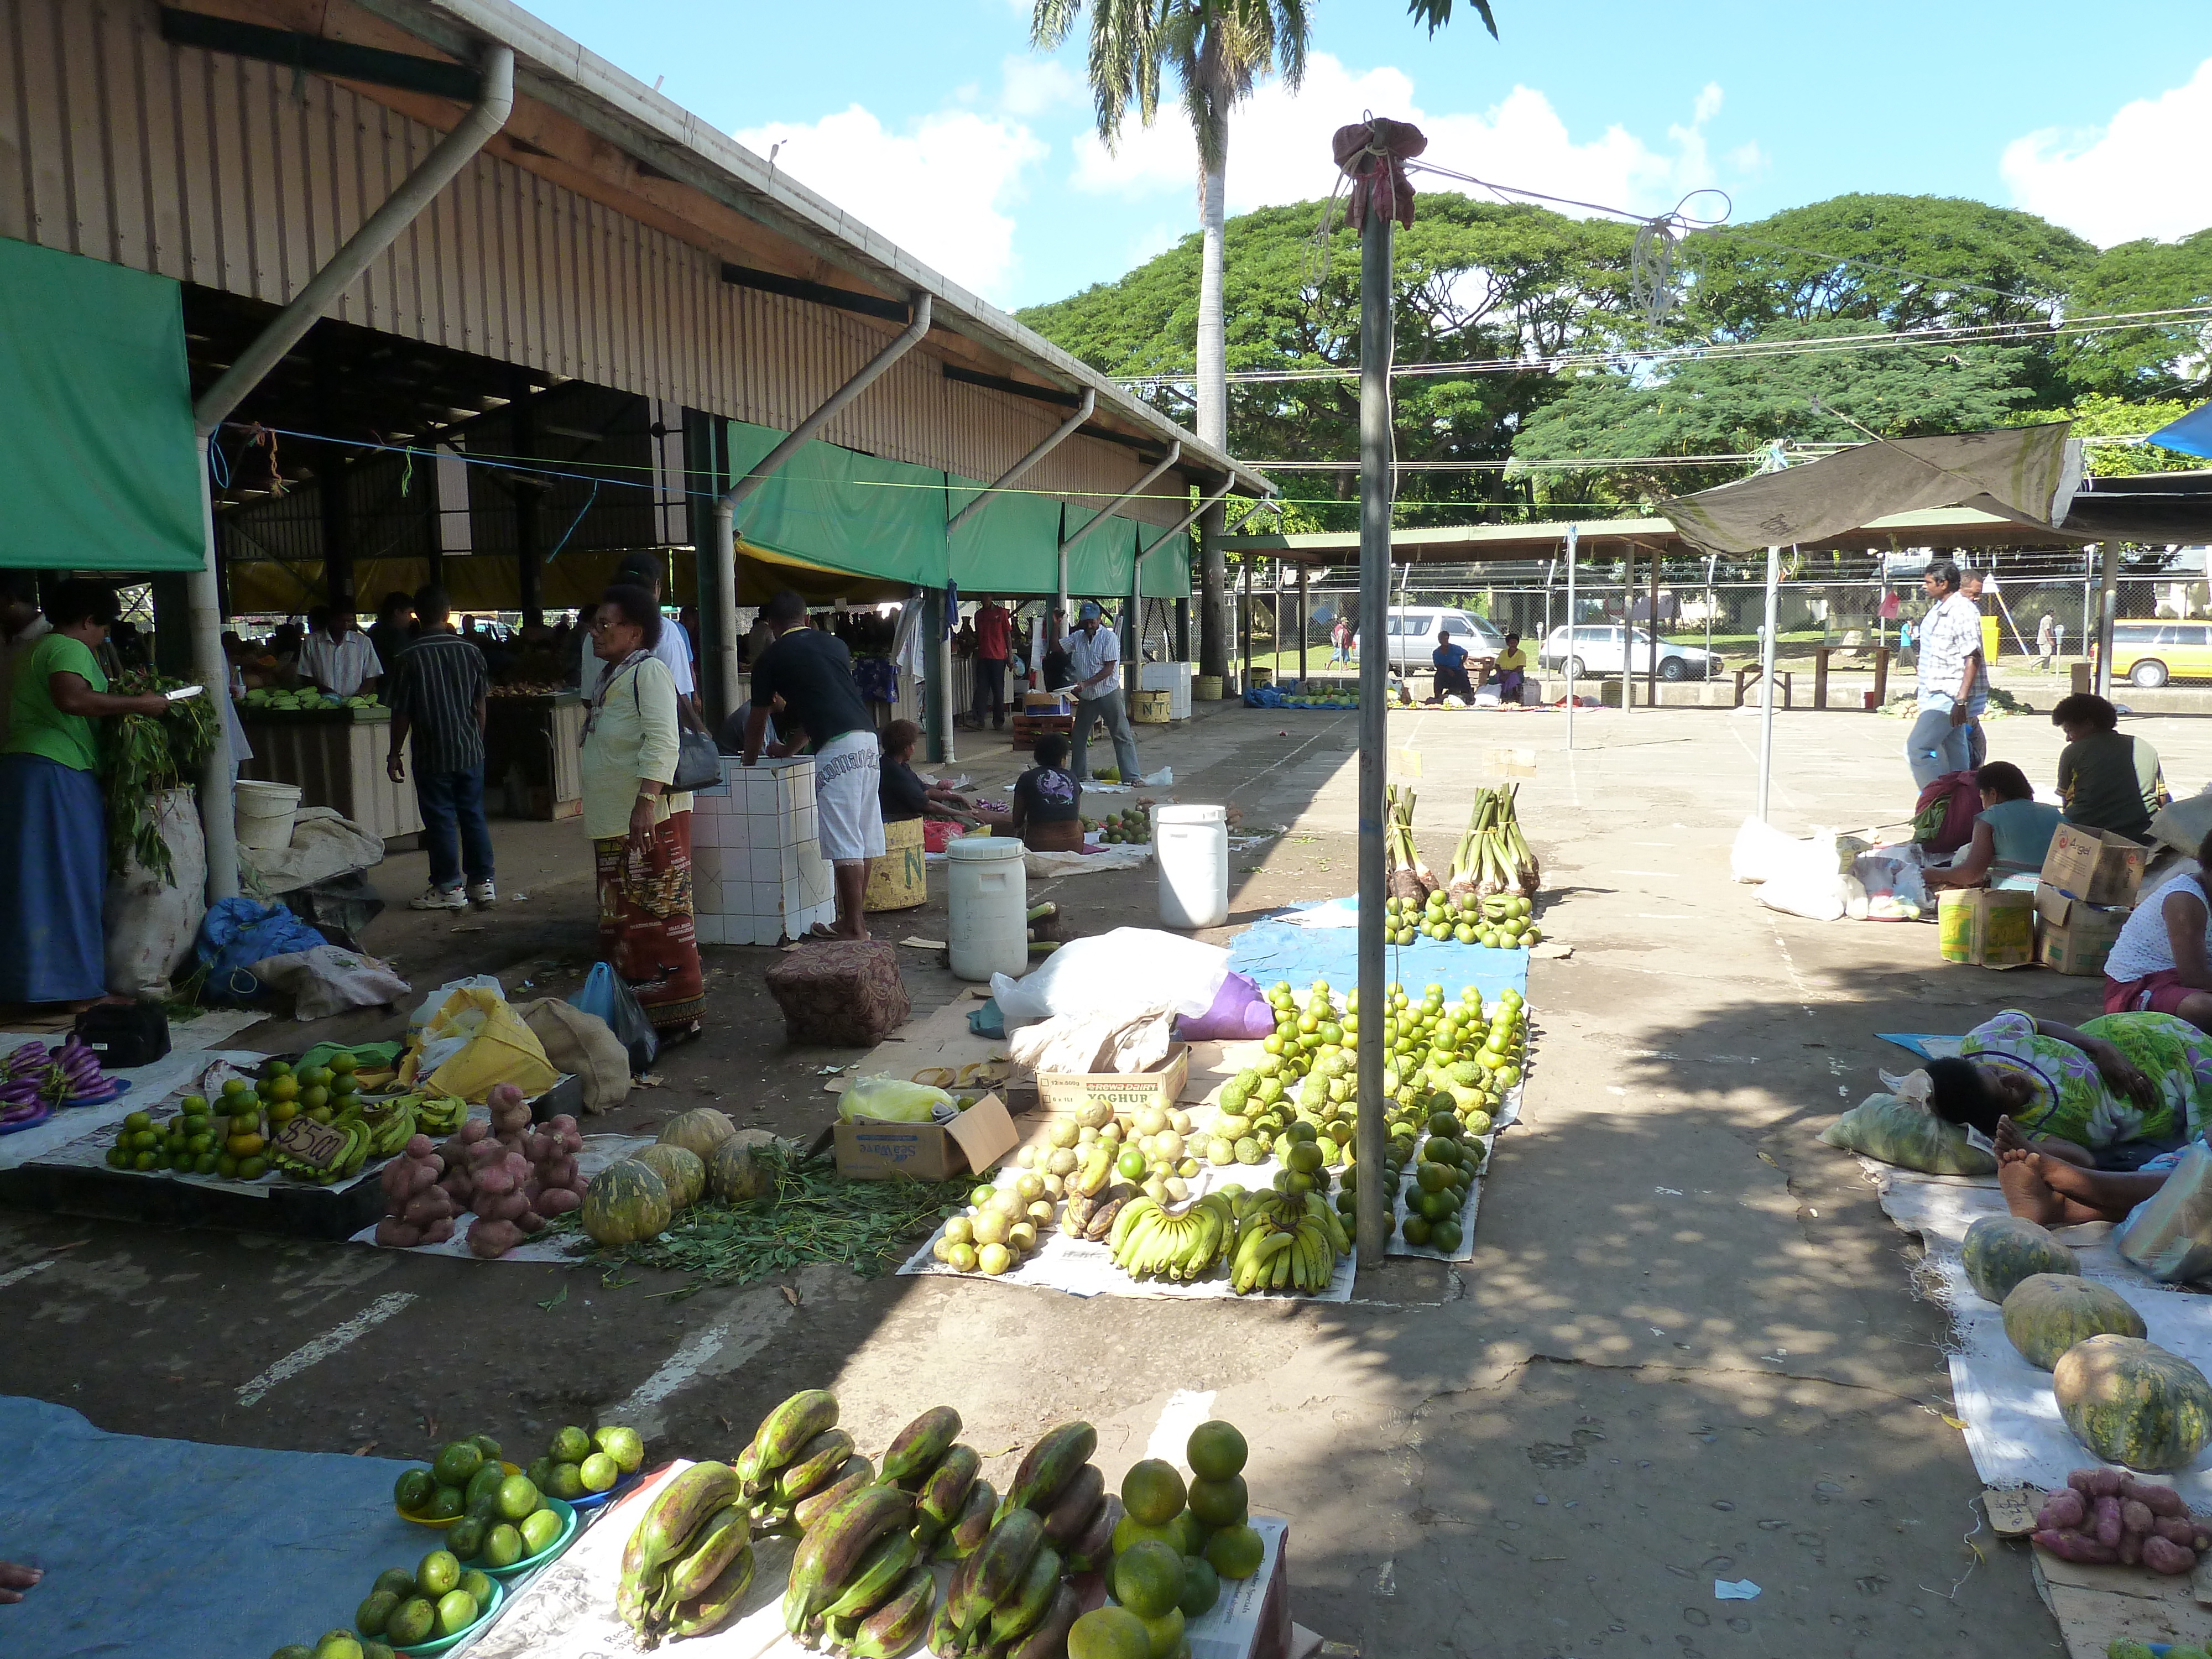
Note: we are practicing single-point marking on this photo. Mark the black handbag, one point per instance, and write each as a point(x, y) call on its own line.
point(698, 761)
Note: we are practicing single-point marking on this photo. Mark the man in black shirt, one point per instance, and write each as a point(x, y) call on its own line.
point(813, 674)
point(437, 691)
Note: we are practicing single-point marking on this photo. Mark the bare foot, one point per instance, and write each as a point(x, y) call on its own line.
point(2008, 1138)
point(14, 1580)
point(2027, 1195)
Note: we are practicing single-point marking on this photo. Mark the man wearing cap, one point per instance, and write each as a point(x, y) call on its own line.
point(1094, 652)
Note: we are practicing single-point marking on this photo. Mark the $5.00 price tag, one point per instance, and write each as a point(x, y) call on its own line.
point(310, 1142)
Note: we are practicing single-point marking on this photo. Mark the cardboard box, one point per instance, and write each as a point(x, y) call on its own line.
point(2094, 865)
point(1988, 927)
point(1062, 1092)
point(869, 1148)
point(1045, 702)
point(2073, 936)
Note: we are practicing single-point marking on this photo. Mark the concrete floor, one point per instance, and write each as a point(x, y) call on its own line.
point(1685, 1350)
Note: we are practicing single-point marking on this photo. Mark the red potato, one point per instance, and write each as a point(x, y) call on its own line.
point(557, 1200)
point(396, 1235)
point(2104, 1522)
point(531, 1222)
point(2163, 1555)
point(2158, 1500)
point(492, 1239)
point(2176, 1529)
point(561, 1123)
point(421, 1146)
point(393, 1174)
point(2134, 1516)
point(438, 1231)
point(2131, 1545)
point(2076, 1546)
point(2097, 1482)
point(2064, 1510)
point(423, 1211)
point(496, 1181)
point(474, 1130)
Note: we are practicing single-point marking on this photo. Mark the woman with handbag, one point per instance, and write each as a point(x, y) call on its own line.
point(639, 820)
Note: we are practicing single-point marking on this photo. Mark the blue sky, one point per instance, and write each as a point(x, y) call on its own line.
point(938, 126)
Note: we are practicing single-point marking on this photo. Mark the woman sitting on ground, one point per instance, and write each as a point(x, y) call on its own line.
point(2109, 781)
point(2140, 1081)
point(903, 794)
point(1047, 812)
point(2159, 962)
point(2012, 832)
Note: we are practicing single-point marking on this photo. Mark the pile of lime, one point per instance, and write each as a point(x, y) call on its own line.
point(579, 1461)
point(499, 1515)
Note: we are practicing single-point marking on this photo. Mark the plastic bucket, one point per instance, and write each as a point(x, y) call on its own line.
point(988, 924)
point(264, 811)
point(1151, 708)
point(1207, 687)
point(1260, 676)
point(1191, 845)
point(899, 880)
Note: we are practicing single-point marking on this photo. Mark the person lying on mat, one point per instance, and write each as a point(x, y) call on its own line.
point(2138, 1080)
point(2012, 832)
point(2051, 1183)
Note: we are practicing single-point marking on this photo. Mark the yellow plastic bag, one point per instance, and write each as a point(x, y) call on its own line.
point(496, 1047)
point(890, 1100)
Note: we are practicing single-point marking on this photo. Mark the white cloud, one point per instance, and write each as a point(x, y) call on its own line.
point(1036, 85)
point(2136, 176)
point(942, 190)
point(1278, 146)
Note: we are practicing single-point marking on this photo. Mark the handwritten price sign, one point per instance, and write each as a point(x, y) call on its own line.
point(311, 1142)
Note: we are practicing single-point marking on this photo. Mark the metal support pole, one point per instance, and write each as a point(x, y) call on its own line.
point(1306, 621)
point(2108, 598)
point(1651, 669)
point(1245, 628)
point(1574, 537)
point(1373, 1206)
point(1766, 664)
point(495, 100)
point(1627, 629)
point(937, 689)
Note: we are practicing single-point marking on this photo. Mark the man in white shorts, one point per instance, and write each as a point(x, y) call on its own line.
point(813, 672)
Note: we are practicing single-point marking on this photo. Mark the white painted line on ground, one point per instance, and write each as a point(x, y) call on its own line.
point(324, 1346)
point(725, 1345)
point(17, 1275)
point(1184, 1412)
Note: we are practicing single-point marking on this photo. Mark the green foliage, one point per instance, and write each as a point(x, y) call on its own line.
point(2141, 362)
point(2101, 417)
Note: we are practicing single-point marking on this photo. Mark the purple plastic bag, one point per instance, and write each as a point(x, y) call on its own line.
point(1238, 1012)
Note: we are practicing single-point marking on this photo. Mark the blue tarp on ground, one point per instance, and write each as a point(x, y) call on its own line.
point(173, 1549)
point(1271, 950)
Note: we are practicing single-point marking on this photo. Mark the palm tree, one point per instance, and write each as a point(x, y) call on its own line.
point(1217, 50)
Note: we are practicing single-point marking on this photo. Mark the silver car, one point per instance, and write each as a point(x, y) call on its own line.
point(1596, 652)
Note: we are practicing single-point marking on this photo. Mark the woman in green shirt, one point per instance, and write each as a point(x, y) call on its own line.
point(52, 819)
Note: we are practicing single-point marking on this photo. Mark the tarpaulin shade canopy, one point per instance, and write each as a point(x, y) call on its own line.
point(835, 509)
point(2191, 435)
point(98, 470)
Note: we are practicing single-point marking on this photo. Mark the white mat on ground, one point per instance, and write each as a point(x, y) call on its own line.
point(598, 1153)
point(567, 1610)
point(150, 1087)
point(1045, 866)
point(2013, 1426)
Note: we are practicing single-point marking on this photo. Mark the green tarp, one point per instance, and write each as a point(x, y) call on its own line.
point(876, 517)
point(98, 467)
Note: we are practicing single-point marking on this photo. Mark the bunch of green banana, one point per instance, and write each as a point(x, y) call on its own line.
point(1287, 1242)
point(690, 1560)
point(800, 1463)
point(391, 1126)
point(1148, 1240)
point(1000, 1595)
point(438, 1115)
point(859, 1579)
point(358, 1140)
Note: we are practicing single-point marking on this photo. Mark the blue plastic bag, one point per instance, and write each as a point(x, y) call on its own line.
point(605, 996)
point(235, 934)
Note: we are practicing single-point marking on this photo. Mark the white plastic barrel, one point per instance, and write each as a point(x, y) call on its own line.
point(988, 932)
point(263, 812)
point(1192, 846)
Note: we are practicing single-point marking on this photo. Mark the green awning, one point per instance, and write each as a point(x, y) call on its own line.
point(1167, 564)
point(98, 467)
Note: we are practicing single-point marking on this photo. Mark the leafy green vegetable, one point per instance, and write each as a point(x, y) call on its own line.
point(143, 756)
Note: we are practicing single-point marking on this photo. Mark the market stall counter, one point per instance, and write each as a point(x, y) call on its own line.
point(533, 752)
point(336, 758)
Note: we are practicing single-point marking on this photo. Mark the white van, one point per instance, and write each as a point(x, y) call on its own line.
point(1413, 635)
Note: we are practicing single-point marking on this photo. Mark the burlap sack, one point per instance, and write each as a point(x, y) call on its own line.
point(582, 1044)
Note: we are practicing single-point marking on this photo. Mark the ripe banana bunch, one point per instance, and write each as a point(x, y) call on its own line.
point(1147, 1240)
point(800, 1463)
point(859, 1580)
point(1288, 1241)
point(690, 1560)
point(1092, 1216)
point(1096, 1172)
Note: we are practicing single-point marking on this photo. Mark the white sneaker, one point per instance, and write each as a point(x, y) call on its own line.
point(440, 898)
point(484, 893)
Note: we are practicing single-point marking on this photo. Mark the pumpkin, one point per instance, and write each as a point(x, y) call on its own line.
point(2004, 1250)
point(734, 1174)
point(680, 1171)
point(2131, 1402)
point(2047, 1314)
point(625, 1202)
point(698, 1132)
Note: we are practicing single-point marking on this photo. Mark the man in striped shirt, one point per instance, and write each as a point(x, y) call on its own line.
point(438, 693)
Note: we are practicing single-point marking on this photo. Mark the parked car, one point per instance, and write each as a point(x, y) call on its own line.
point(1413, 635)
point(2150, 653)
point(1596, 651)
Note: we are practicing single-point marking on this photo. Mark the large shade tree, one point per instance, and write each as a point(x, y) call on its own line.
point(1214, 52)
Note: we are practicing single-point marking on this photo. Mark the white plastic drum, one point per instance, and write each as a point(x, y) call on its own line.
point(989, 931)
point(1192, 846)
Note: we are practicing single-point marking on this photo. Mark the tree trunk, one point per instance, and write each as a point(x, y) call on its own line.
point(1212, 412)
